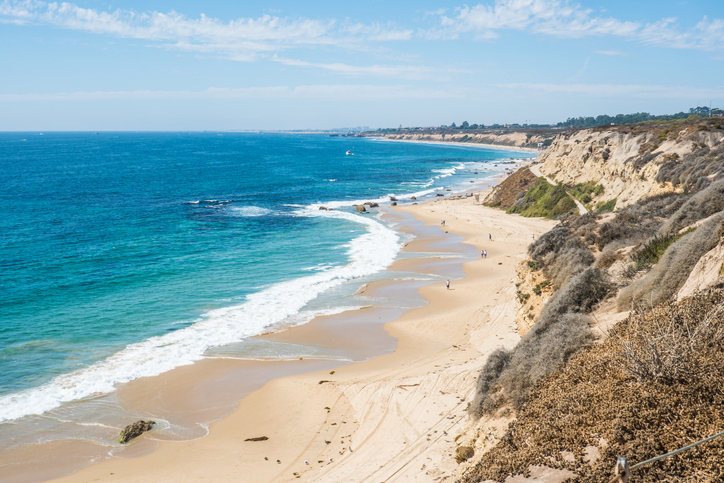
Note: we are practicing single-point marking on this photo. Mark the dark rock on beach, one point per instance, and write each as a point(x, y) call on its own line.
point(463, 453)
point(135, 430)
point(258, 438)
point(360, 208)
point(392, 198)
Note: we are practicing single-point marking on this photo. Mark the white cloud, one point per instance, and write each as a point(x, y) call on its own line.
point(617, 53)
point(564, 19)
point(395, 71)
point(377, 32)
point(243, 37)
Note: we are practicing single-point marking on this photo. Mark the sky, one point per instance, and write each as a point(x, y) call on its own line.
point(220, 65)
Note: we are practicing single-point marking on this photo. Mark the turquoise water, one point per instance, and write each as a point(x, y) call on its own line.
point(124, 255)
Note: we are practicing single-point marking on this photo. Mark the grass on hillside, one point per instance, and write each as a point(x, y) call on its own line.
point(586, 191)
point(650, 253)
point(544, 200)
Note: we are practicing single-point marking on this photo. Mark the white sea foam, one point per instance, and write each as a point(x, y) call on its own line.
point(281, 303)
point(249, 211)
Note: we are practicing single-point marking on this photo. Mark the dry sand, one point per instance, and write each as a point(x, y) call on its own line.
point(392, 418)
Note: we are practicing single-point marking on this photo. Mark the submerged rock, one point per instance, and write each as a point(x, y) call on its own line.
point(135, 430)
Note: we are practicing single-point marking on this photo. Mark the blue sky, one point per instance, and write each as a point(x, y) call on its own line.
point(184, 65)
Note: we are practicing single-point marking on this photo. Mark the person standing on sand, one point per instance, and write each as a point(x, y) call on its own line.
point(448, 284)
point(490, 236)
point(482, 253)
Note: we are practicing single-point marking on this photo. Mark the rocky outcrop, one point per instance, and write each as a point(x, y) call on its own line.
point(506, 193)
point(706, 273)
point(135, 430)
point(627, 160)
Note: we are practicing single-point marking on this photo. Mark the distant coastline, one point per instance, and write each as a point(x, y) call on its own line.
point(501, 147)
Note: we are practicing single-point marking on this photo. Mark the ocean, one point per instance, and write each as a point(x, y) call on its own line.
point(125, 255)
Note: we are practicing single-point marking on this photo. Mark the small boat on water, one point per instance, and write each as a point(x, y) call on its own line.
point(349, 153)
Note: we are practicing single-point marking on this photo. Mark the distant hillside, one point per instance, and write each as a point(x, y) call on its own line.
point(514, 138)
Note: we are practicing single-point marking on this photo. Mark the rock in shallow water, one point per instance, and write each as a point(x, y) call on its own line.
point(134, 430)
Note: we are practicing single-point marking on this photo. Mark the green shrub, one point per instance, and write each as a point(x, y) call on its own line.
point(544, 200)
point(585, 191)
point(532, 265)
point(606, 207)
point(650, 253)
point(537, 289)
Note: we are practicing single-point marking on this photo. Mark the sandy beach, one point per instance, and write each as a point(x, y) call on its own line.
point(391, 418)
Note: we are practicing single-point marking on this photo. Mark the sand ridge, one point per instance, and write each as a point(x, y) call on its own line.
point(392, 418)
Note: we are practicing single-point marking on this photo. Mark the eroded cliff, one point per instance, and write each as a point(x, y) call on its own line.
point(635, 161)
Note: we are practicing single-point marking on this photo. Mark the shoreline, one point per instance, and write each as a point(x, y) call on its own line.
point(358, 395)
point(216, 371)
point(224, 381)
point(474, 145)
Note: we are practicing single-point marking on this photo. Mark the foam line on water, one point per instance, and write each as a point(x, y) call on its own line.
point(277, 304)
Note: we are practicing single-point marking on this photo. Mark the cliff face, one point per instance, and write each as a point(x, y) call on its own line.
point(627, 161)
point(513, 139)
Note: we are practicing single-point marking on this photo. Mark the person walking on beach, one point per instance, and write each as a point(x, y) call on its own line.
point(482, 253)
point(448, 284)
point(490, 236)
point(485, 253)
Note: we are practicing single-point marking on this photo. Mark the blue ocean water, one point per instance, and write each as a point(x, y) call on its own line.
point(124, 255)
